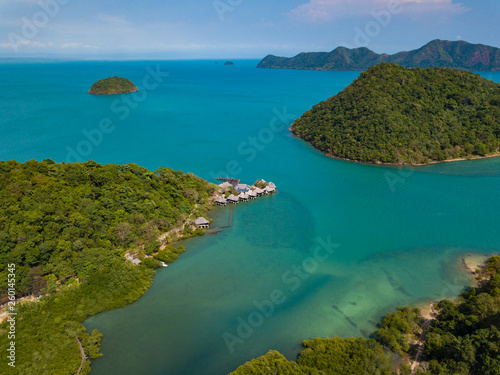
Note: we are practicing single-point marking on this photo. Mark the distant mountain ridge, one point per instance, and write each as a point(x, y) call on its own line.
point(437, 53)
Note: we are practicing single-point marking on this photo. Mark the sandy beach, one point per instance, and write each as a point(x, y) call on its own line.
point(473, 262)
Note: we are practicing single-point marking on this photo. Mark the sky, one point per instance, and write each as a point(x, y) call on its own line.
point(206, 29)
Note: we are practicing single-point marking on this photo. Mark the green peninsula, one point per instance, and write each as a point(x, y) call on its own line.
point(395, 115)
point(112, 85)
point(82, 238)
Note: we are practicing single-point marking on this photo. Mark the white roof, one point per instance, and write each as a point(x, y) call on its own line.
point(271, 185)
point(225, 185)
point(220, 199)
point(242, 187)
point(233, 198)
point(259, 191)
point(243, 196)
point(252, 193)
point(201, 221)
point(136, 261)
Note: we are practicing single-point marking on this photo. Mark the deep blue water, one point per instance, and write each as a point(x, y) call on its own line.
point(396, 236)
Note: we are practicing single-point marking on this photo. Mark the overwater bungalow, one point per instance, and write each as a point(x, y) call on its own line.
point(203, 223)
point(251, 194)
point(233, 199)
point(269, 190)
point(259, 192)
point(243, 197)
point(220, 201)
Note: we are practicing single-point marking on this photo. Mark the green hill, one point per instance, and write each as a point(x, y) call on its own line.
point(112, 85)
point(396, 115)
point(437, 53)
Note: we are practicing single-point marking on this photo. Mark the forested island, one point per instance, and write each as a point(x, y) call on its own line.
point(463, 339)
point(395, 115)
point(112, 85)
point(437, 53)
point(65, 230)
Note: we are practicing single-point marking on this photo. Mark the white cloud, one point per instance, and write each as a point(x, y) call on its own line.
point(326, 10)
point(78, 45)
point(27, 43)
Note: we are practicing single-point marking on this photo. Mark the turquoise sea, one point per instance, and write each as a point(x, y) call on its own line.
point(340, 245)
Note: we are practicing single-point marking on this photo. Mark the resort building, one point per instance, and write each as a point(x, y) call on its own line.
point(233, 199)
point(136, 261)
point(252, 194)
point(259, 192)
point(203, 223)
point(243, 197)
point(242, 188)
point(220, 201)
point(225, 186)
point(269, 190)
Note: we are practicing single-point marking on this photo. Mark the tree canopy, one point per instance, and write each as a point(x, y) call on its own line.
point(112, 85)
point(465, 338)
point(66, 228)
point(391, 114)
point(330, 356)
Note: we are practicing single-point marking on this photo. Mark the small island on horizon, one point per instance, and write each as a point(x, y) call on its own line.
point(112, 86)
point(399, 116)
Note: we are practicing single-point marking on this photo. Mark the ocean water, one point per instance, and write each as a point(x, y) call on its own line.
point(340, 245)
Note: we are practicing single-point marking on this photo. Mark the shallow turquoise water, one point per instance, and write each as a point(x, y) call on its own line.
point(398, 234)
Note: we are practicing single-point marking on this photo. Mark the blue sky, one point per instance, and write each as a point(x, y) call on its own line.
point(236, 28)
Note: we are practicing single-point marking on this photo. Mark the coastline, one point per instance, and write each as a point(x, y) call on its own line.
point(140, 292)
point(474, 262)
point(469, 263)
point(497, 154)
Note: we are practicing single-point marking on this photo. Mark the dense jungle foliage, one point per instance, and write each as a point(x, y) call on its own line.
point(112, 85)
point(465, 338)
point(332, 356)
point(391, 114)
point(66, 228)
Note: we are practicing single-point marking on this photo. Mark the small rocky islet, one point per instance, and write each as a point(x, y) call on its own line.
point(112, 86)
